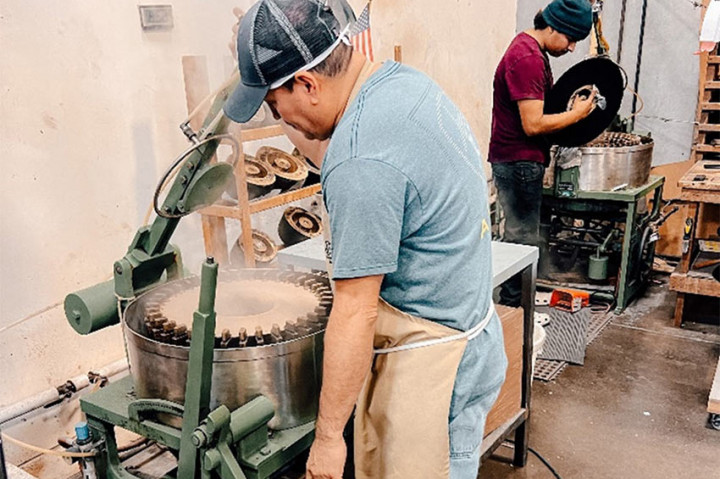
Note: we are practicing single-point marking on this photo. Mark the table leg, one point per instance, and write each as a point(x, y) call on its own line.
point(622, 281)
point(529, 275)
point(679, 306)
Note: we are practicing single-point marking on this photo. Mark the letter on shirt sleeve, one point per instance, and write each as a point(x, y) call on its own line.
point(365, 200)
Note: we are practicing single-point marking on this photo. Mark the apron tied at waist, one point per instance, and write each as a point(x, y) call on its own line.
point(470, 334)
point(402, 413)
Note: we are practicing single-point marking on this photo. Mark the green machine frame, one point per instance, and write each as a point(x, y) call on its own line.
point(219, 443)
point(570, 199)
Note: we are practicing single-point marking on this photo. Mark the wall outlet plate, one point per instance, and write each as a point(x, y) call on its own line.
point(156, 17)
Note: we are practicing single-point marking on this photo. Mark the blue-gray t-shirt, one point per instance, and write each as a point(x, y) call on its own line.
point(407, 198)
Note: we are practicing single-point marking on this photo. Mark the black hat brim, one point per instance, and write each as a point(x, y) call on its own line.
point(244, 102)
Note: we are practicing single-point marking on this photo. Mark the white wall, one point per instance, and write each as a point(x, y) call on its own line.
point(458, 43)
point(90, 106)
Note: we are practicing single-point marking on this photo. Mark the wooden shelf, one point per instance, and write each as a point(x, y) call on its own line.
point(688, 283)
point(709, 127)
point(707, 148)
point(261, 133)
point(232, 211)
point(709, 106)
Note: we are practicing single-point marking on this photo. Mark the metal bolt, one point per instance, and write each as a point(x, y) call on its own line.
point(275, 332)
point(225, 338)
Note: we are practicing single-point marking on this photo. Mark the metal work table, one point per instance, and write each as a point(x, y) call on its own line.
point(507, 261)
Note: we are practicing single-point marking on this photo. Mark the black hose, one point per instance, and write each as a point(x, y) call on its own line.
point(3, 471)
point(539, 456)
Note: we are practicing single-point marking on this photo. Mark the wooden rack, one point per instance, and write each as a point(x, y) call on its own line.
point(197, 89)
point(706, 143)
point(214, 216)
point(700, 186)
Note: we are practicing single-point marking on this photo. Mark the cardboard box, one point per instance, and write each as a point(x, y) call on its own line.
point(508, 403)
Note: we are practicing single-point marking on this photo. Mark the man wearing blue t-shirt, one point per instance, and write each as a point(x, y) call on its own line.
point(413, 340)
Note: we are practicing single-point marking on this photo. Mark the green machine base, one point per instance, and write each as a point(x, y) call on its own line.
point(259, 453)
point(635, 248)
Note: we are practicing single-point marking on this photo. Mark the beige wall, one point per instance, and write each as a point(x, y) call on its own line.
point(90, 107)
point(457, 43)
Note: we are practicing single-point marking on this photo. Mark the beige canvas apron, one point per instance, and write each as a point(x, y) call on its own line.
point(401, 416)
point(401, 419)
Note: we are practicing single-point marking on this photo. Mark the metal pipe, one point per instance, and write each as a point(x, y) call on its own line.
point(574, 242)
point(637, 64)
point(52, 395)
point(603, 247)
point(621, 33)
point(577, 229)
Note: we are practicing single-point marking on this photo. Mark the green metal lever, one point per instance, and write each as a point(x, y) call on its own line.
point(200, 366)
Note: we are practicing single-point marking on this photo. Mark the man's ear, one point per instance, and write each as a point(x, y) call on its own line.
point(310, 84)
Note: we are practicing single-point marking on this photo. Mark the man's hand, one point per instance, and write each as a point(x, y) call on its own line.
point(583, 105)
point(327, 458)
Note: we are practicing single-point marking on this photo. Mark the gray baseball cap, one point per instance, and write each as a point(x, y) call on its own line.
point(277, 39)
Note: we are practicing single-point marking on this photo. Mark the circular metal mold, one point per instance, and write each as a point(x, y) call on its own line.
point(298, 224)
point(289, 170)
point(259, 178)
point(605, 168)
point(281, 362)
point(616, 139)
point(264, 248)
point(601, 72)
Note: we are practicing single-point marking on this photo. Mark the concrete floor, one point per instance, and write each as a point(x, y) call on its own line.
point(636, 409)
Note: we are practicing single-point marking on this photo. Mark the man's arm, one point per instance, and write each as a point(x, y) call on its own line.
point(347, 358)
point(535, 122)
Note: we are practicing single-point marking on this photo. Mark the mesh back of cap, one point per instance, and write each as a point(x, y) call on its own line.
point(289, 34)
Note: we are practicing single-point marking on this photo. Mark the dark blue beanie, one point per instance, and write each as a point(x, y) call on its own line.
point(571, 17)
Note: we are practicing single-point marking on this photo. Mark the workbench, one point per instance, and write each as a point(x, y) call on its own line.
point(507, 261)
point(700, 185)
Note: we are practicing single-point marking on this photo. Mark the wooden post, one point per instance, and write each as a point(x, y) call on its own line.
point(398, 53)
point(197, 87)
point(244, 207)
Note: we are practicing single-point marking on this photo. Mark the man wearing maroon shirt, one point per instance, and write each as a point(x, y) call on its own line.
point(518, 150)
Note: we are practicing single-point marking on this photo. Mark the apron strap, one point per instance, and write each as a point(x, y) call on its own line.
point(471, 333)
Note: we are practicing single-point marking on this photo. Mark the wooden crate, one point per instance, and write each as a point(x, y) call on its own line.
point(714, 398)
point(507, 405)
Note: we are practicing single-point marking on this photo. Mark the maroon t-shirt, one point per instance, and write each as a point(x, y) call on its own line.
point(523, 74)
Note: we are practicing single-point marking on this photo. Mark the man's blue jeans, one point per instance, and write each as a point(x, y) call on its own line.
point(519, 187)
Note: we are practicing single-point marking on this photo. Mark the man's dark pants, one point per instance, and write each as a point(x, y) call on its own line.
point(519, 187)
